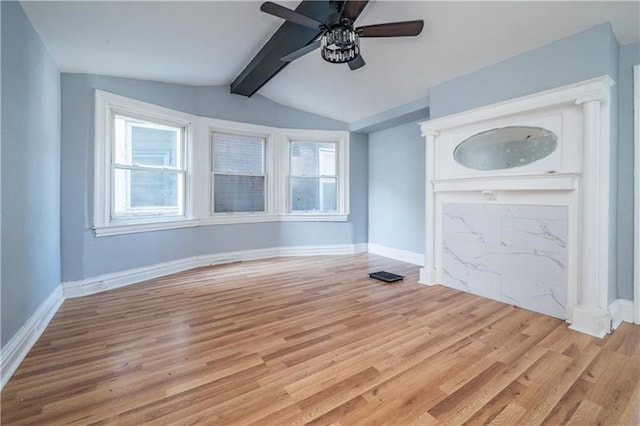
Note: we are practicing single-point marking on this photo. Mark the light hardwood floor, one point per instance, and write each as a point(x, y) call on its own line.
point(314, 340)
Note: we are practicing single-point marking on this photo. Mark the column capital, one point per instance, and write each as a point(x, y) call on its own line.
point(598, 96)
point(430, 134)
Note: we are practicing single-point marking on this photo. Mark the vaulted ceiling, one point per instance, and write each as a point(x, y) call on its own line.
point(211, 43)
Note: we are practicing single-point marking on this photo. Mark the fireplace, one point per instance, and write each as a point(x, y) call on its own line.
point(518, 203)
point(512, 253)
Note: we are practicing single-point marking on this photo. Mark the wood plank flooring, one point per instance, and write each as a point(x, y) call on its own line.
point(314, 340)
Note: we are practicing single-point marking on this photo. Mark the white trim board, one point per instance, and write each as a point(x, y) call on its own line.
point(397, 254)
point(621, 310)
point(21, 343)
point(131, 276)
point(636, 180)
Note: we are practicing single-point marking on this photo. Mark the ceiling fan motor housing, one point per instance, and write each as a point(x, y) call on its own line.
point(340, 44)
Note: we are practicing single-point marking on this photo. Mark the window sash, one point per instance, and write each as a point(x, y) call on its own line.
point(322, 196)
point(320, 177)
point(129, 212)
point(132, 212)
point(238, 199)
point(223, 172)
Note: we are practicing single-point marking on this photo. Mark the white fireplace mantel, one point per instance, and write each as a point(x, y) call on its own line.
point(575, 176)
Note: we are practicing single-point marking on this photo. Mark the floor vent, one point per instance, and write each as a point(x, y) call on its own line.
point(387, 277)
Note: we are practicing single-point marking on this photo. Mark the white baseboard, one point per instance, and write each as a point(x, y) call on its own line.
point(621, 310)
point(427, 276)
point(123, 278)
point(592, 321)
point(397, 254)
point(20, 344)
point(322, 250)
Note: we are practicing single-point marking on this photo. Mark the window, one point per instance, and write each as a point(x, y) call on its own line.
point(148, 169)
point(157, 168)
point(317, 175)
point(238, 175)
point(141, 166)
point(313, 179)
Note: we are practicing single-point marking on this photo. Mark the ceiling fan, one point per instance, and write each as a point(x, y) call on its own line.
point(339, 41)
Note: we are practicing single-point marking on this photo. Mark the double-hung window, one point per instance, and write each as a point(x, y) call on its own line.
point(142, 171)
point(313, 178)
point(148, 168)
point(317, 175)
point(238, 173)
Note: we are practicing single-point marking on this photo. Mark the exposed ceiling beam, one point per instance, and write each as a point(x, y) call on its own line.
point(286, 39)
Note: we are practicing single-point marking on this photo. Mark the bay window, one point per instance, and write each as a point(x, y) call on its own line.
point(157, 168)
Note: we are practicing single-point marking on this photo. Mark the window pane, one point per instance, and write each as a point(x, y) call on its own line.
point(234, 194)
point(238, 154)
point(145, 193)
point(146, 144)
point(313, 159)
point(313, 194)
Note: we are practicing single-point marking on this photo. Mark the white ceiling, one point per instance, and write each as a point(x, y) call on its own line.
point(210, 43)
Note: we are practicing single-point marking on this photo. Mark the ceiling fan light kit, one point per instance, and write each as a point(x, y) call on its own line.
point(339, 42)
point(339, 45)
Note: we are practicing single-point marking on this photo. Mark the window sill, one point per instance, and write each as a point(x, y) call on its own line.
point(130, 228)
point(224, 219)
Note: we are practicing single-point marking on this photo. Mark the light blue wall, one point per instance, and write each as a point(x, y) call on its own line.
point(411, 111)
point(629, 56)
point(30, 171)
point(575, 58)
point(84, 255)
point(397, 188)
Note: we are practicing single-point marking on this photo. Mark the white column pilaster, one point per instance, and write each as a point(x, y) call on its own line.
point(591, 315)
point(428, 273)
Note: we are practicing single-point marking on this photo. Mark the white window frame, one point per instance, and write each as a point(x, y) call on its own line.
point(198, 192)
point(180, 169)
point(107, 106)
point(270, 135)
point(341, 139)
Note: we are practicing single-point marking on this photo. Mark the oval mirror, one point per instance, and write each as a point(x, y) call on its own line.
point(505, 147)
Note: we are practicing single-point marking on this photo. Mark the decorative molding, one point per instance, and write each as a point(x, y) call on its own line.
point(124, 278)
point(548, 182)
point(397, 254)
point(621, 310)
point(596, 88)
point(21, 343)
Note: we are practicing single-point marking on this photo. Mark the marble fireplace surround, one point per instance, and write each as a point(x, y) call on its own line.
point(571, 184)
point(512, 253)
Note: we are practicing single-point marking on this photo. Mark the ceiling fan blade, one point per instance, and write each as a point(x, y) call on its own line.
point(290, 15)
point(392, 29)
point(355, 63)
point(352, 8)
point(301, 52)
